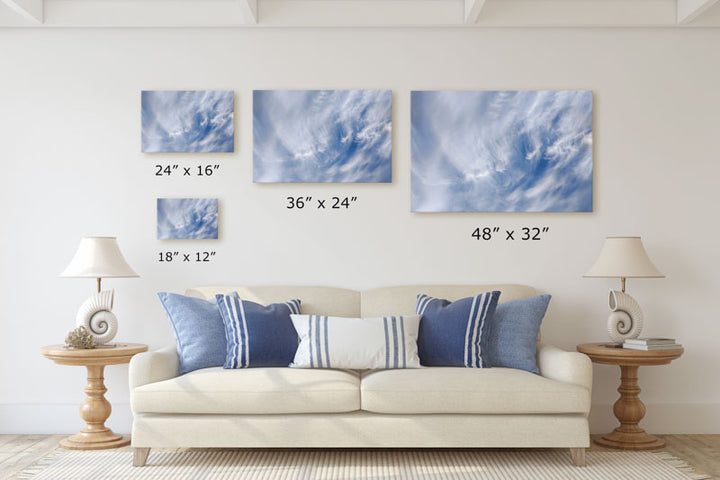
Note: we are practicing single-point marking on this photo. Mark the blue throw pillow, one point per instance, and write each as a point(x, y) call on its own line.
point(514, 332)
point(258, 336)
point(198, 328)
point(454, 334)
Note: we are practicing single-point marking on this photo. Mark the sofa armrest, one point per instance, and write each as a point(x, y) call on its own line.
point(569, 367)
point(151, 367)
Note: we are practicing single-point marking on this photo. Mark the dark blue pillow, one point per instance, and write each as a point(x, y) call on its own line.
point(198, 328)
point(258, 336)
point(514, 332)
point(454, 334)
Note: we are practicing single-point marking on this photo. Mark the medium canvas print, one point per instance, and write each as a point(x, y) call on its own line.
point(188, 121)
point(502, 151)
point(322, 136)
point(187, 218)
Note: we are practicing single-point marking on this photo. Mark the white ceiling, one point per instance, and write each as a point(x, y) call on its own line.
point(359, 13)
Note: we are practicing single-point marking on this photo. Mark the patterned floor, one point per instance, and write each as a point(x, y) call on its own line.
point(357, 464)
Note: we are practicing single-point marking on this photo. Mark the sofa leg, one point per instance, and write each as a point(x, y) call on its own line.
point(140, 456)
point(578, 456)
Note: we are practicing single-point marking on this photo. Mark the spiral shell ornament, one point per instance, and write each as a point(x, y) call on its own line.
point(95, 314)
point(626, 319)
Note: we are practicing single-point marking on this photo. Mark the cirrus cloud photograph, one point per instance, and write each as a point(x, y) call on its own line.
point(315, 136)
point(187, 218)
point(188, 121)
point(502, 151)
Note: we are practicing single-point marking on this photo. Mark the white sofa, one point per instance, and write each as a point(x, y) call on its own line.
point(435, 407)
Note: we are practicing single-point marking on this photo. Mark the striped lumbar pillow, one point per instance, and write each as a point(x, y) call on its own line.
point(257, 335)
point(357, 343)
point(454, 334)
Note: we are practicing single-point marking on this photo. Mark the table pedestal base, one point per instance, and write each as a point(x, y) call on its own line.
point(95, 409)
point(629, 410)
point(630, 440)
point(83, 441)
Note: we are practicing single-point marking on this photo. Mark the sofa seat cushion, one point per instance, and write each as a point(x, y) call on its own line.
point(469, 390)
point(252, 391)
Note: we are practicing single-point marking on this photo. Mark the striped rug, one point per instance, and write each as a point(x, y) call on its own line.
point(357, 464)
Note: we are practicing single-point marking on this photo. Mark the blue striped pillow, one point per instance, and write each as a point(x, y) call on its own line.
point(257, 335)
point(454, 334)
point(356, 343)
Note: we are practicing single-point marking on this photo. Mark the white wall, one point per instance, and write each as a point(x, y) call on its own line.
point(70, 165)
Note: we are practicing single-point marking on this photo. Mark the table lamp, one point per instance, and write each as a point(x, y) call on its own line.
point(98, 257)
point(623, 257)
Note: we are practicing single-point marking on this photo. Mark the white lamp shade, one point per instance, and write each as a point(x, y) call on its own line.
point(98, 257)
point(623, 257)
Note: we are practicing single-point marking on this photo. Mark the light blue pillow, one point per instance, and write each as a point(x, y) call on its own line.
point(257, 335)
point(454, 334)
point(199, 331)
point(513, 333)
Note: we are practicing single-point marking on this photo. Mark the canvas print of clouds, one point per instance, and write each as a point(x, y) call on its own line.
point(188, 121)
point(502, 151)
point(187, 218)
point(322, 136)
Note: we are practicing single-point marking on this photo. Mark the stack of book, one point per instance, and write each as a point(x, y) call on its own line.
point(651, 344)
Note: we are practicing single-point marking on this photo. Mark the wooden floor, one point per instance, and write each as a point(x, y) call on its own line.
point(702, 452)
point(20, 451)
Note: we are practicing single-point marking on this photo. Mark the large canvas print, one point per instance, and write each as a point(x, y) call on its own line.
point(322, 136)
point(187, 218)
point(502, 151)
point(188, 121)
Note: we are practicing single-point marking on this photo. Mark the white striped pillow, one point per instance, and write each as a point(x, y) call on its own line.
point(356, 343)
point(257, 335)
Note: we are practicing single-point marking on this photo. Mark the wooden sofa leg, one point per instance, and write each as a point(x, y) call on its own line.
point(578, 456)
point(140, 456)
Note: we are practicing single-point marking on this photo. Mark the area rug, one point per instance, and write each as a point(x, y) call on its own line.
point(356, 464)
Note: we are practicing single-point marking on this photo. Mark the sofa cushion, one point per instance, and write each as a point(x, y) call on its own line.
point(402, 300)
point(469, 390)
point(251, 391)
point(340, 302)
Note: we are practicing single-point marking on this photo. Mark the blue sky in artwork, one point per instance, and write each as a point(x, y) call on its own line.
point(188, 121)
point(322, 136)
point(502, 151)
point(187, 218)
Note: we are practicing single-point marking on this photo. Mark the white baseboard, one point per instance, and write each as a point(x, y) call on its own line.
point(65, 419)
point(56, 418)
point(664, 418)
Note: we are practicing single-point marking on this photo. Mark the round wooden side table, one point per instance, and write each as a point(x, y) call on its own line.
point(95, 409)
point(629, 410)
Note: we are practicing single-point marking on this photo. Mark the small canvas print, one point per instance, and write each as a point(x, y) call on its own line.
point(502, 151)
point(322, 136)
point(188, 121)
point(187, 218)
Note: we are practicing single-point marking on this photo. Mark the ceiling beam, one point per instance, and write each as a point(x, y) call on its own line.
point(249, 8)
point(29, 9)
point(146, 13)
point(689, 10)
point(472, 10)
point(578, 13)
point(358, 13)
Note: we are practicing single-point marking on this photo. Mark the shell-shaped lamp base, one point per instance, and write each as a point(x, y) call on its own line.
point(96, 315)
point(626, 319)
